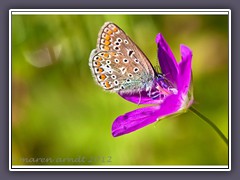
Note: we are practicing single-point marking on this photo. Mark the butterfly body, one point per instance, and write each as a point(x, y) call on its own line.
point(118, 64)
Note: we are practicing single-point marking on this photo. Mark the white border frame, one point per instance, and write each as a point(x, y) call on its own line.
point(118, 11)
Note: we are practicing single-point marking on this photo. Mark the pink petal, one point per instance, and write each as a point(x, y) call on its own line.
point(166, 59)
point(140, 98)
point(185, 70)
point(139, 118)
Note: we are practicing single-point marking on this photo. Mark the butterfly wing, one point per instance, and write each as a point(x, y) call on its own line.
point(118, 64)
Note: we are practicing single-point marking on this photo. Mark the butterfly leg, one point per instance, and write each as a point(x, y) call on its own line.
point(139, 101)
point(162, 90)
point(155, 95)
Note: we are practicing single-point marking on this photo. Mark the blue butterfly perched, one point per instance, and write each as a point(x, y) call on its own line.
point(118, 65)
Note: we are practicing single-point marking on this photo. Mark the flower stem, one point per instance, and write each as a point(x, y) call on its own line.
point(217, 130)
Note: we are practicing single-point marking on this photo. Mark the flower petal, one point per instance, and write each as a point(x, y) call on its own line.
point(143, 97)
point(139, 118)
point(139, 98)
point(185, 70)
point(134, 120)
point(166, 59)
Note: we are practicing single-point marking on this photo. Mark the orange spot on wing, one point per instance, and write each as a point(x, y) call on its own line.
point(102, 77)
point(107, 42)
point(107, 38)
point(107, 84)
point(113, 54)
point(106, 55)
point(115, 29)
point(109, 32)
point(99, 70)
point(97, 63)
point(106, 48)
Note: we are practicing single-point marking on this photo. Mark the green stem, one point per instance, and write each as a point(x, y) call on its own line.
point(211, 124)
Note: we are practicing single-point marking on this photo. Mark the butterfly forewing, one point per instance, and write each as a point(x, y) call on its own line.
point(112, 37)
point(118, 64)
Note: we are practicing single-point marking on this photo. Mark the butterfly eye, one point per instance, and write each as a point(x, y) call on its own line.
point(108, 61)
point(116, 60)
point(113, 77)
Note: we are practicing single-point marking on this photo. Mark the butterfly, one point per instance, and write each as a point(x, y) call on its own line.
point(119, 65)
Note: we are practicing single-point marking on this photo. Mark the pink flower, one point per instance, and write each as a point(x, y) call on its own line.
point(170, 94)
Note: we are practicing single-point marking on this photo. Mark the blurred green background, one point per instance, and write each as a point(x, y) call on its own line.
point(59, 112)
